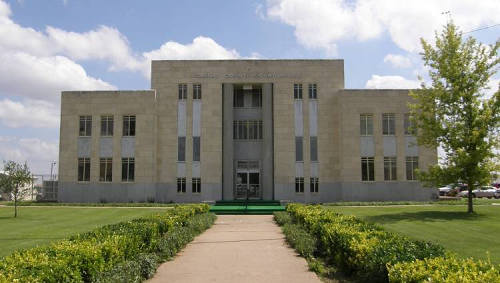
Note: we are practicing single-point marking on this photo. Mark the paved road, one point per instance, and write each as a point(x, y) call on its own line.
point(238, 248)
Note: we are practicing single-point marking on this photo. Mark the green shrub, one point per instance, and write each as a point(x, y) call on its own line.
point(282, 217)
point(358, 247)
point(299, 239)
point(85, 257)
point(444, 269)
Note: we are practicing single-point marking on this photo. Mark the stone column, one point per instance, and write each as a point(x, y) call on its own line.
point(267, 145)
point(227, 142)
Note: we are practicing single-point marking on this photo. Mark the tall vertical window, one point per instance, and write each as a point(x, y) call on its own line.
point(257, 97)
point(181, 185)
point(197, 91)
point(388, 124)
point(196, 148)
point(106, 170)
point(129, 126)
point(367, 169)
point(299, 184)
point(314, 185)
point(411, 166)
point(238, 98)
point(183, 89)
point(366, 124)
point(299, 156)
point(409, 125)
point(196, 185)
point(83, 169)
point(128, 169)
point(297, 91)
point(85, 126)
point(314, 148)
point(181, 149)
point(390, 166)
point(107, 126)
point(313, 91)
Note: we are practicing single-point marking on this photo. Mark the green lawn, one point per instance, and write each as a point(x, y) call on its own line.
point(41, 225)
point(467, 235)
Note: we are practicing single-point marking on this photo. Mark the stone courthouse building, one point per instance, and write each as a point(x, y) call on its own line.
point(236, 129)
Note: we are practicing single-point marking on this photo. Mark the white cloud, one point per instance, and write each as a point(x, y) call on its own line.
point(397, 61)
point(38, 153)
point(391, 82)
point(29, 113)
point(29, 76)
point(494, 86)
point(323, 23)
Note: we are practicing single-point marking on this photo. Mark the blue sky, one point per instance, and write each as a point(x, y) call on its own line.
point(54, 45)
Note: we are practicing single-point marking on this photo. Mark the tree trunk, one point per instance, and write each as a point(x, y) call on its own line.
point(469, 199)
point(15, 205)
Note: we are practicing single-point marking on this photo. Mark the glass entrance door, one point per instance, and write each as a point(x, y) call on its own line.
point(247, 185)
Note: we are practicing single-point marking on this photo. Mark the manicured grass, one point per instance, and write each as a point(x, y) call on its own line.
point(41, 225)
point(467, 235)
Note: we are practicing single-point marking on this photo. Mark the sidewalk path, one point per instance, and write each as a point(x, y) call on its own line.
point(238, 248)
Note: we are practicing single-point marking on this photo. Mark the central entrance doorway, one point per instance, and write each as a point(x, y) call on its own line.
point(247, 180)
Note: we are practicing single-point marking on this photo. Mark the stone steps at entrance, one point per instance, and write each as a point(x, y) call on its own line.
point(246, 207)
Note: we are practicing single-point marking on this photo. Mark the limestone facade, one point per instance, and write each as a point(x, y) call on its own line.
point(164, 117)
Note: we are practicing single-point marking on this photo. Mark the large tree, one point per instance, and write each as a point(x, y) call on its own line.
point(15, 180)
point(453, 111)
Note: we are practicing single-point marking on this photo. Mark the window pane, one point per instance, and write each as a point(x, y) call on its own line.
point(109, 170)
point(87, 169)
point(298, 149)
point(256, 98)
point(196, 148)
point(80, 169)
point(131, 170)
point(132, 125)
point(126, 126)
point(102, 170)
point(124, 169)
point(314, 148)
point(181, 150)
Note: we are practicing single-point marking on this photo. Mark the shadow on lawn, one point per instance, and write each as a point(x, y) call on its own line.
point(428, 216)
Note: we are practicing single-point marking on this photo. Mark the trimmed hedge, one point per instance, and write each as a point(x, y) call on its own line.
point(444, 269)
point(359, 248)
point(90, 256)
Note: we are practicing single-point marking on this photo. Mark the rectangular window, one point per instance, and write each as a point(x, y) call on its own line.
point(314, 185)
point(106, 170)
point(366, 124)
point(411, 166)
point(390, 169)
point(106, 126)
point(129, 126)
point(83, 169)
point(298, 149)
point(410, 129)
point(257, 97)
point(85, 126)
point(297, 91)
point(367, 169)
point(313, 91)
point(314, 148)
point(299, 184)
point(388, 124)
point(247, 130)
point(181, 185)
point(183, 89)
point(196, 148)
point(181, 149)
point(197, 91)
point(128, 169)
point(238, 98)
point(196, 185)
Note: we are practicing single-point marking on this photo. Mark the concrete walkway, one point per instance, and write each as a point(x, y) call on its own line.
point(238, 248)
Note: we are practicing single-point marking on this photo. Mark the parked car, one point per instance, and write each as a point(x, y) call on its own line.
point(486, 191)
point(496, 185)
point(443, 191)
